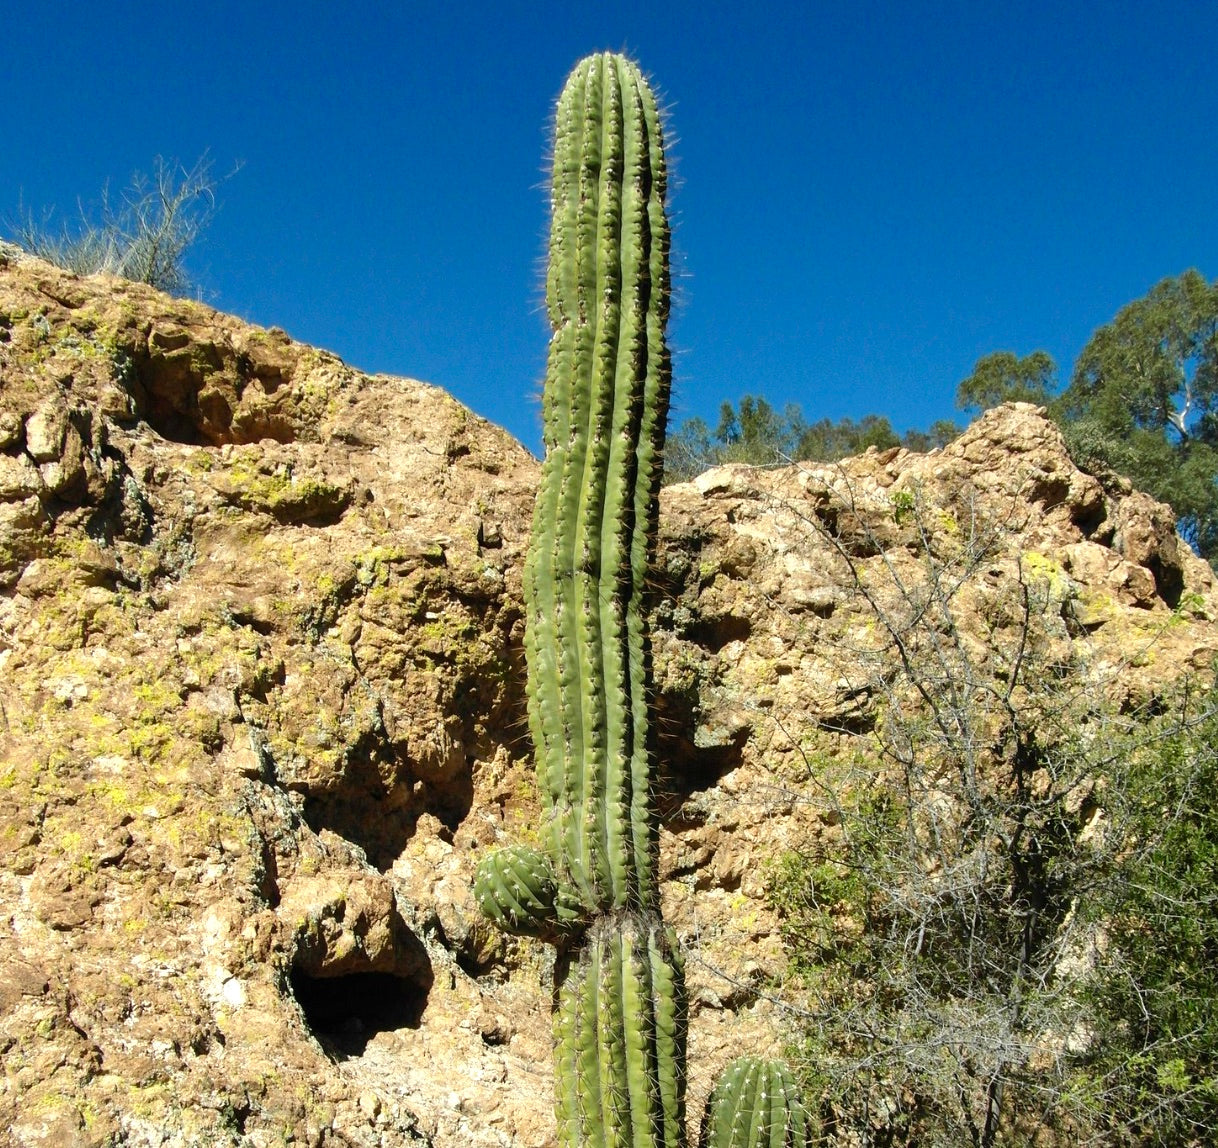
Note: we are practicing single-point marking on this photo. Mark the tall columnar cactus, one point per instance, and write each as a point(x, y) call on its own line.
point(619, 1004)
point(605, 408)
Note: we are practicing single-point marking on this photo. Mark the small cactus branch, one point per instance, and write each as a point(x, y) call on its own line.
point(516, 887)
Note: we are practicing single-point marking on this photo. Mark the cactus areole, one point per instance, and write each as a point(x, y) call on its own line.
point(620, 1011)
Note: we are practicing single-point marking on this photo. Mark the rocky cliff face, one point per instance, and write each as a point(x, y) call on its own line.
point(261, 712)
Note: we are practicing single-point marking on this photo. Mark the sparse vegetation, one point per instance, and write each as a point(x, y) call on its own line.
point(1017, 935)
point(144, 236)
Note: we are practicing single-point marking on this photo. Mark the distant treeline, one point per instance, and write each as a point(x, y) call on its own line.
point(1142, 402)
point(752, 431)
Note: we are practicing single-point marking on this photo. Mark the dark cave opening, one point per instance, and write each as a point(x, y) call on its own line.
point(345, 1012)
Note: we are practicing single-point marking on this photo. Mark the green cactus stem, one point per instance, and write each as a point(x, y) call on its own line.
point(756, 1104)
point(516, 888)
point(604, 409)
point(619, 1026)
point(620, 1014)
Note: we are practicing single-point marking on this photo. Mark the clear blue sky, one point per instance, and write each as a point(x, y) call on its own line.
point(869, 196)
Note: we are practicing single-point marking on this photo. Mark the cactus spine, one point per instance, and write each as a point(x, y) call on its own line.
point(619, 1000)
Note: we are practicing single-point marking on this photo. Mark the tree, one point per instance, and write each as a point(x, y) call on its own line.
point(939, 434)
point(752, 432)
point(1003, 378)
point(826, 441)
point(1143, 401)
point(689, 450)
point(144, 237)
point(756, 433)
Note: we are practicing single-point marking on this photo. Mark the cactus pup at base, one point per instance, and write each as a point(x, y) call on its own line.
point(755, 1104)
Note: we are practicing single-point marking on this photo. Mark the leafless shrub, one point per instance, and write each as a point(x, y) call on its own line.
point(144, 236)
point(946, 951)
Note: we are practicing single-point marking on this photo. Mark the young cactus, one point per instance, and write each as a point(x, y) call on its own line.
point(516, 888)
point(755, 1104)
point(620, 1013)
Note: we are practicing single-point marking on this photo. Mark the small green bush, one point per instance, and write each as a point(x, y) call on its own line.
point(1155, 992)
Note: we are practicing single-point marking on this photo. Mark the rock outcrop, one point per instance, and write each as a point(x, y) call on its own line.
point(261, 712)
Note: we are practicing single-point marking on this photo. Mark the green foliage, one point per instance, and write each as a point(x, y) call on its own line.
point(753, 432)
point(832, 906)
point(826, 441)
point(144, 237)
point(1160, 355)
point(690, 450)
point(1155, 993)
point(1001, 377)
point(938, 434)
point(1144, 401)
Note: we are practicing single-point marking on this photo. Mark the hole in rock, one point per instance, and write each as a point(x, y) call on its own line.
point(174, 425)
point(1169, 579)
point(715, 633)
point(345, 1012)
point(191, 391)
point(376, 824)
point(1089, 517)
point(470, 967)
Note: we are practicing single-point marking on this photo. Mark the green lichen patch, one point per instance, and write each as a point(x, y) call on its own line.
point(277, 488)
